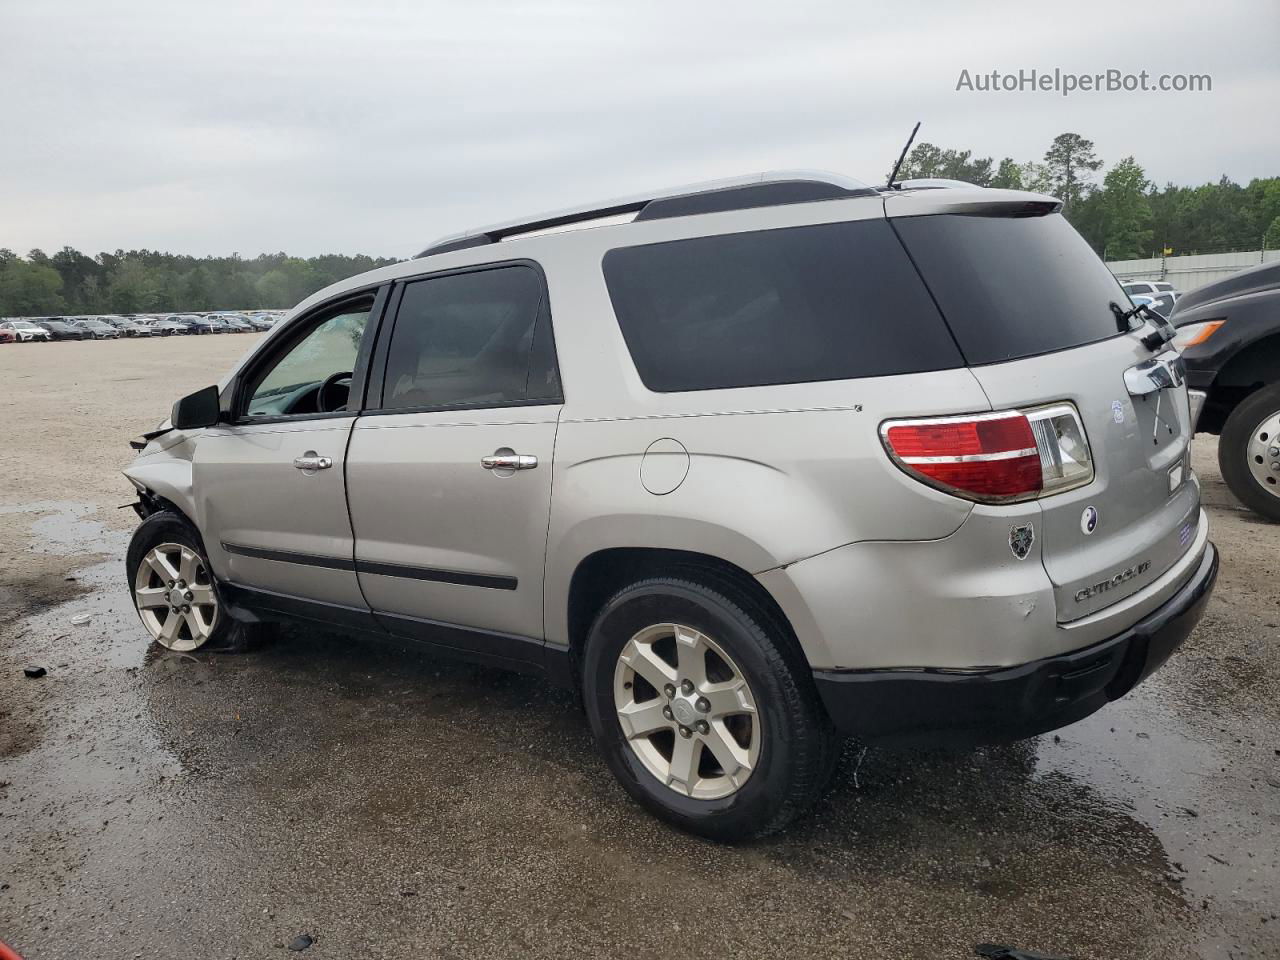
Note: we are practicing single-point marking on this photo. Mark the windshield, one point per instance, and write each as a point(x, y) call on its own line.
point(1013, 287)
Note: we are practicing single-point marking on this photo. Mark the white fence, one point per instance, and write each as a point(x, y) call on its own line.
point(1187, 273)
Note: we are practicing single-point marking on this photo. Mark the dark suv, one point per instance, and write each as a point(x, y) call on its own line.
point(1229, 334)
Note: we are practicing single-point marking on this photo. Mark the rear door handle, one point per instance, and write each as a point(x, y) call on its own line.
point(509, 461)
point(312, 462)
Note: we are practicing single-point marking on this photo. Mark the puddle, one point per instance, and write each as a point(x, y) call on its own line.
point(1213, 801)
point(65, 528)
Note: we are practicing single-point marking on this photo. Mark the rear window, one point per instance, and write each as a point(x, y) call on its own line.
point(796, 305)
point(1013, 287)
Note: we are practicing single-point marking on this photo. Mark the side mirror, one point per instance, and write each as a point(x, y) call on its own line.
point(196, 410)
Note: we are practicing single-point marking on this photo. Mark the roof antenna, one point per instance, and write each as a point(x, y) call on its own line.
point(902, 156)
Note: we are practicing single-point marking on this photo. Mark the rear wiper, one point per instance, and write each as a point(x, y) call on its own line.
point(1153, 341)
point(1124, 317)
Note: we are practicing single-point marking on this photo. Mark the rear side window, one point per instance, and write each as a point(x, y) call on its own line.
point(1013, 287)
point(796, 305)
point(472, 339)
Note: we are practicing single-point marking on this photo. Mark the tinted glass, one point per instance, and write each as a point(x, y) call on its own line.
point(467, 339)
point(1013, 287)
point(826, 302)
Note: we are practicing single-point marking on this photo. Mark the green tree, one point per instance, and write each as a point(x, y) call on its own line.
point(1008, 176)
point(1070, 160)
point(1271, 239)
point(926, 160)
point(29, 289)
point(1035, 177)
point(1125, 211)
point(75, 268)
point(273, 289)
point(133, 289)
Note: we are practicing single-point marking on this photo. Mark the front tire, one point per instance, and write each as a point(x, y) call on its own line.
point(174, 592)
point(704, 710)
point(1249, 452)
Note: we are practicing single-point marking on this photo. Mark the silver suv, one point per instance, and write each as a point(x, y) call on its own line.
point(775, 460)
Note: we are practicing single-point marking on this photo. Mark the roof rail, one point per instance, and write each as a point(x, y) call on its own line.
point(775, 188)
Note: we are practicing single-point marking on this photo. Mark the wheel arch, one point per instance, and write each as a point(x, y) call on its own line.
point(166, 483)
point(601, 574)
point(1250, 368)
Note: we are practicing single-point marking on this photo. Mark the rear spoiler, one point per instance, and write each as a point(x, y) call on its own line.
point(975, 202)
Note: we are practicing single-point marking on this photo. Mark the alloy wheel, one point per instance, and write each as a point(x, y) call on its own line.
point(1264, 454)
point(687, 711)
point(175, 599)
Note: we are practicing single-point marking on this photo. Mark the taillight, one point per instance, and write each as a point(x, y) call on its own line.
point(1000, 457)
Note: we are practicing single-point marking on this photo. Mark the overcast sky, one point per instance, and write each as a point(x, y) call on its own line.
point(317, 126)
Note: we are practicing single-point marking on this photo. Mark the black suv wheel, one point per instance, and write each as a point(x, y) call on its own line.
point(1249, 452)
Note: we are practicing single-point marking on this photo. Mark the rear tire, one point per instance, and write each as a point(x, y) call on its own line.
point(783, 749)
point(1249, 447)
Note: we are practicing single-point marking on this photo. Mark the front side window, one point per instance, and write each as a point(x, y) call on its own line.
point(471, 339)
point(324, 357)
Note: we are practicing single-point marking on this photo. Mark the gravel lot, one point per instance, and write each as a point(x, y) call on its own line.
point(392, 805)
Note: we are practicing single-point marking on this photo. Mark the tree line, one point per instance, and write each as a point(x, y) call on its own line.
point(1123, 217)
point(1126, 216)
point(147, 281)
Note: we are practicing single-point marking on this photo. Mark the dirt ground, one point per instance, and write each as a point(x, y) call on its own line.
point(387, 804)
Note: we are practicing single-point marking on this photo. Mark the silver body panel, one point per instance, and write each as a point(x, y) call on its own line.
point(1140, 519)
point(788, 483)
point(421, 499)
point(248, 494)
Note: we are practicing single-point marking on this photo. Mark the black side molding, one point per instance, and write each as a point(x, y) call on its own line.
point(492, 581)
point(288, 556)
point(437, 575)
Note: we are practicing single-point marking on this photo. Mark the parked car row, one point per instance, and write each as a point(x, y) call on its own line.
point(113, 327)
point(1159, 295)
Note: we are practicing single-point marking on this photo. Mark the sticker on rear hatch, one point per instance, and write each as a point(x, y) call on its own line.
point(1021, 538)
point(1089, 520)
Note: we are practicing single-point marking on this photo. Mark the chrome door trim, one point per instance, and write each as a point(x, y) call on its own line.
point(509, 461)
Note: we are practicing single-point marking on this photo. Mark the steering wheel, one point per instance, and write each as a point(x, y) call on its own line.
point(325, 401)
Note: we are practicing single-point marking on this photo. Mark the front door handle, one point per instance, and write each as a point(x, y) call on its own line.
point(509, 461)
point(312, 462)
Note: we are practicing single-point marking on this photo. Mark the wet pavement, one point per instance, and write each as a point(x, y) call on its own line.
point(388, 804)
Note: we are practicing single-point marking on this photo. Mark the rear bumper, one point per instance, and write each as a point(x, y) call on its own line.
point(1011, 703)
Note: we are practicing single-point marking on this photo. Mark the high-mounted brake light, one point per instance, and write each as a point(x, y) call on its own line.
point(1002, 457)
